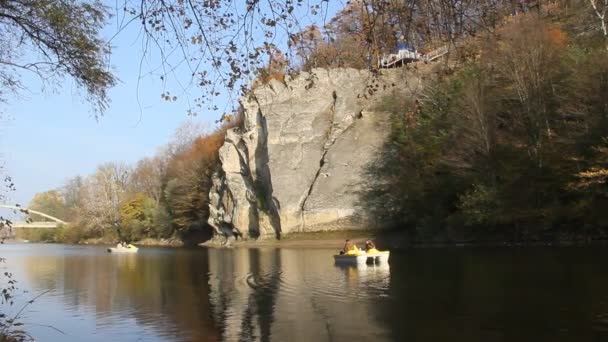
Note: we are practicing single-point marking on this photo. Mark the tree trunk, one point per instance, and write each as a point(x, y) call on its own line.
point(601, 14)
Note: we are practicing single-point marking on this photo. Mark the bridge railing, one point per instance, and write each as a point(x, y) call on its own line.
point(43, 225)
point(30, 211)
point(436, 53)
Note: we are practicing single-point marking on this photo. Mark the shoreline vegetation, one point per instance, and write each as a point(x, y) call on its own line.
point(385, 239)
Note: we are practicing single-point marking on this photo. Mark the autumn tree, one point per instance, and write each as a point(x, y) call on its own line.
point(74, 193)
point(146, 178)
point(105, 192)
point(530, 63)
point(306, 45)
point(189, 182)
point(137, 217)
point(477, 107)
point(354, 38)
point(182, 139)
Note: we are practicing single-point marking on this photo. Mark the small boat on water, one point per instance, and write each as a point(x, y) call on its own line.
point(362, 257)
point(123, 248)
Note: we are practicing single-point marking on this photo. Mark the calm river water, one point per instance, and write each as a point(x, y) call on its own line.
point(269, 294)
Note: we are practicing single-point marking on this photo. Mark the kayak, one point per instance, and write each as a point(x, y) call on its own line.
point(373, 257)
point(120, 248)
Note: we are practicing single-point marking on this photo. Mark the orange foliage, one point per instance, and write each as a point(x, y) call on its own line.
point(204, 150)
point(202, 153)
point(275, 70)
point(530, 27)
point(189, 180)
point(557, 37)
point(265, 76)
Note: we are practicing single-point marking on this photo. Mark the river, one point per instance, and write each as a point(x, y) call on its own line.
point(282, 294)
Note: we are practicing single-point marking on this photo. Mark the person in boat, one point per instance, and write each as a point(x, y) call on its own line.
point(124, 244)
point(370, 247)
point(349, 248)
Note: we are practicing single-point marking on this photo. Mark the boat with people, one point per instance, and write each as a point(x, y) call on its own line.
point(363, 257)
point(352, 255)
point(123, 248)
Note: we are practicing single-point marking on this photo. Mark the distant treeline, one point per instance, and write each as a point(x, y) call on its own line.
point(162, 197)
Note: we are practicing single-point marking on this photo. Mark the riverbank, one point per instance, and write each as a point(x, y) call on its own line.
point(171, 242)
point(384, 239)
point(391, 239)
point(74, 235)
point(324, 239)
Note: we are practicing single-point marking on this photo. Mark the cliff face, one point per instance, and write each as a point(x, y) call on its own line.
point(298, 162)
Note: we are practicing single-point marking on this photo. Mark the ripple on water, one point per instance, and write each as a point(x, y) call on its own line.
point(342, 284)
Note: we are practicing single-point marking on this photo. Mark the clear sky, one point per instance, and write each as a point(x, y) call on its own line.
point(50, 135)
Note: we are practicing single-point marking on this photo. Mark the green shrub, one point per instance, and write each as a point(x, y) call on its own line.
point(70, 234)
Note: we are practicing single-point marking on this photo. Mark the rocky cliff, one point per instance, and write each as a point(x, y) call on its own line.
point(298, 161)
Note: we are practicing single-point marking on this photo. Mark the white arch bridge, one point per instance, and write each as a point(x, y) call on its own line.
point(56, 222)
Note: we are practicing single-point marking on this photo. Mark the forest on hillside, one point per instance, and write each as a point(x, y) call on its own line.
point(509, 141)
point(507, 144)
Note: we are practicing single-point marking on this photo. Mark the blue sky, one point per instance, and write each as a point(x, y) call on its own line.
point(48, 135)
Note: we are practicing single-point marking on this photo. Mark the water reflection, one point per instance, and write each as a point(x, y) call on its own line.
point(371, 281)
point(293, 295)
point(244, 285)
point(156, 295)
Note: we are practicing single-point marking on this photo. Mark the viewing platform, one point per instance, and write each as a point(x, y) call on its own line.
point(406, 55)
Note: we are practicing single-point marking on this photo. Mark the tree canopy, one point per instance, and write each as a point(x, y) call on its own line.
point(54, 39)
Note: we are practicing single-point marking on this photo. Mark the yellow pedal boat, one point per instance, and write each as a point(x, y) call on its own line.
point(362, 257)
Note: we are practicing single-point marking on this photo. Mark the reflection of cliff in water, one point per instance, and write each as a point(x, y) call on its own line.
point(244, 285)
point(166, 292)
point(294, 295)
